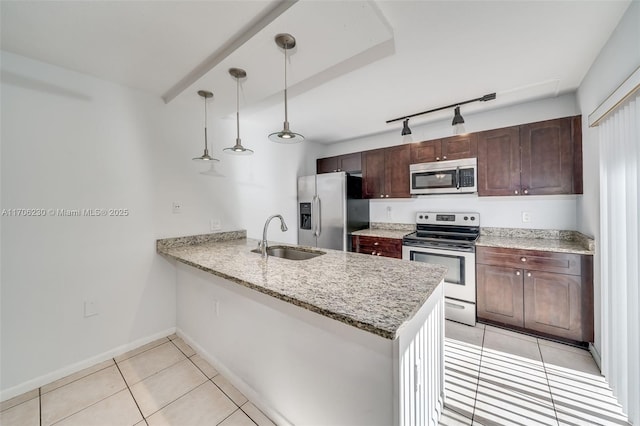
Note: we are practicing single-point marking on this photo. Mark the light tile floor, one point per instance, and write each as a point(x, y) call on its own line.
point(499, 377)
point(162, 383)
point(493, 377)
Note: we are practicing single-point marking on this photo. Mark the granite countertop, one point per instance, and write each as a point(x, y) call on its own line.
point(386, 230)
point(375, 294)
point(537, 239)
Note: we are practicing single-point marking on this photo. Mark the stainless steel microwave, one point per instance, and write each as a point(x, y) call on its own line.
point(444, 177)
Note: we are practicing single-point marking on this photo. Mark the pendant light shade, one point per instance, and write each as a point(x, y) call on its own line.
point(205, 156)
point(286, 42)
point(238, 149)
point(458, 122)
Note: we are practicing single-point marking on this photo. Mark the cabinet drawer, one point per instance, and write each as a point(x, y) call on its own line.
point(535, 260)
point(377, 246)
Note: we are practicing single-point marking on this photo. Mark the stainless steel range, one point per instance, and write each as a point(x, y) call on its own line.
point(449, 239)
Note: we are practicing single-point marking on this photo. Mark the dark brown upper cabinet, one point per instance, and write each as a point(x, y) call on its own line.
point(350, 163)
point(385, 172)
point(543, 158)
point(452, 148)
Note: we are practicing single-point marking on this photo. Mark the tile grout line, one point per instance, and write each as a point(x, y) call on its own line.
point(222, 390)
point(546, 376)
point(475, 398)
point(130, 393)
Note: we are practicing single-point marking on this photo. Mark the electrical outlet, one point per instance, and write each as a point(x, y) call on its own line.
point(526, 217)
point(90, 308)
point(215, 225)
point(177, 207)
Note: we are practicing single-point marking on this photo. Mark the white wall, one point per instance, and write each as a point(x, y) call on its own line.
point(615, 62)
point(551, 212)
point(70, 141)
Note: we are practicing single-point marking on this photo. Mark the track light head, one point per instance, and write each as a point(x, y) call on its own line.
point(458, 122)
point(405, 128)
point(457, 117)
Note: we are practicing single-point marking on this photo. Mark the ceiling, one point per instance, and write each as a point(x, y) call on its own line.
point(356, 63)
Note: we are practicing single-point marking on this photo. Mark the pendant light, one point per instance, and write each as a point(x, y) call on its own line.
point(458, 122)
point(205, 157)
point(238, 149)
point(286, 42)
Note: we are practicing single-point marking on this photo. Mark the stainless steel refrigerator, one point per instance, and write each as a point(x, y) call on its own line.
point(330, 206)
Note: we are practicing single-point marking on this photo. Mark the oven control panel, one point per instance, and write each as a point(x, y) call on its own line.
point(447, 218)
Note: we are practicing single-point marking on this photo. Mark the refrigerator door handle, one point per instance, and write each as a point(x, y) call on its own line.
point(314, 218)
point(319, 221)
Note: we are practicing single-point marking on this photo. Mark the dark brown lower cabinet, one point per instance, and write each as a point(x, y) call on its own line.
point(552, 304)
point(500, 294)
point(550, 294)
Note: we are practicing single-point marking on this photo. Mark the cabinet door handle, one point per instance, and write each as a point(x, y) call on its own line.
point(444, 157)
point(376, 243)
point(373, 253)
point(524, 259)
point(525, 192)
point(378, 254)
point(518, 273)
point(528, 274)
point(387, 196)
point(515, 192)
point(381, 195)
point(437, 158)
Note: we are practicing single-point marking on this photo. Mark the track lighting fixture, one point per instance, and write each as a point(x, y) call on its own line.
point(457, 118)
point(458, 122)
point(238, 149)
point(205, 156)
point(286, 42)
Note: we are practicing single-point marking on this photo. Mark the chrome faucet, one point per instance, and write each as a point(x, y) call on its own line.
point(263, 244)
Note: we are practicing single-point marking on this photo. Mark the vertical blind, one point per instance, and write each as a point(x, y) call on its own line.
point(619, 139)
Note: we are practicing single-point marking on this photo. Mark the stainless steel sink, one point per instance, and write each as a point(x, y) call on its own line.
point(291, 253)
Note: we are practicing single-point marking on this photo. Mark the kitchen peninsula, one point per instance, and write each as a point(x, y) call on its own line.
point(342, 338)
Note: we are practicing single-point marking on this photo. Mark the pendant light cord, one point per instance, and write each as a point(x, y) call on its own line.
point(286, 118)
point(206, 147)
point(238, 108)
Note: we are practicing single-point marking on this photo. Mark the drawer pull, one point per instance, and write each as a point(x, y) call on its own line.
point(376, 243)
point(528, 274)
point(524, 259)
point(518, 273)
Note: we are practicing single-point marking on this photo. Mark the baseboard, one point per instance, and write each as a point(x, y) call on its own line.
point(236, 381)
point(596, 355)
point(74, 368)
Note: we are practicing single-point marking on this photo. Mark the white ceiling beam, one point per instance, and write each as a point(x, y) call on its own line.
point(253, 27)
